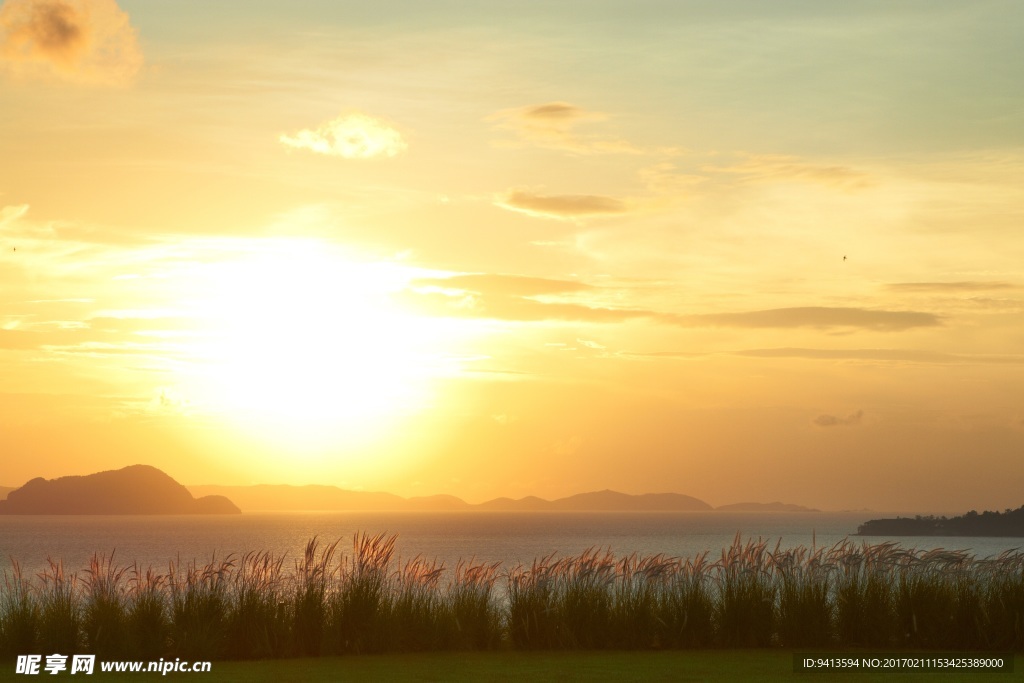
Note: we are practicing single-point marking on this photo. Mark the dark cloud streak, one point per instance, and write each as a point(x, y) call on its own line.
point(852, 420)
point(561, 206)
point(948, 286)
point(816, 317)
point(507, 297)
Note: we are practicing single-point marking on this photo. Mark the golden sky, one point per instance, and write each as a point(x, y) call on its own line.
point(738, 250)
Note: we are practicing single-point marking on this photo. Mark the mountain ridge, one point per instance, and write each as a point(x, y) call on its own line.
point(41, 499)
point(289, 497)
point(131, 490)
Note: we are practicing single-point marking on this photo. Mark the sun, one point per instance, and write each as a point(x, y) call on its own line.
point(303, 345)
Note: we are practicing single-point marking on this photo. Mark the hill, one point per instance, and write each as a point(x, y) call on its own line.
point(765, 507)
point(275, 498)
point(1008, 523)
point(133, 490)
point(602, 501)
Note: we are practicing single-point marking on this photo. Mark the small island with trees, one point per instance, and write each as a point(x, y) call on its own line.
point(1007, 523)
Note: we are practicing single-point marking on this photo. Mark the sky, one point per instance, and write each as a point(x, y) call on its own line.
point(740, 250)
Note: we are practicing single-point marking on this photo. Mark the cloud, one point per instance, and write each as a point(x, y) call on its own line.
point(895, 355)
point(513, 308)
point(352, 136)
point(817, 317)
point(562, 207)
point(910, 355)
point(83, 41)
point(852, 420)
point(687, 355)
point(507, 285)
point(948, 286)
point(552, 125)
point(9, 214)
point(508, 297)
point(775, 167)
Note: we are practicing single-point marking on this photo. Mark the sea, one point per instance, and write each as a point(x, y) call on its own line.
point(511, 539)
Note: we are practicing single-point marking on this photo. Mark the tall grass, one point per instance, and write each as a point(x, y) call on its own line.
point(199, 608)
point(59, 609)
point(686, 605)
point(312, 579)
point(147, 613)
point(256, 615)
point(415, 618)
point(359, 599)
point(104, 614)
point(1002, 595)
point(805, 606)
point(745, 605)
point(365, 601)
point(19, 613)
point(476, 618)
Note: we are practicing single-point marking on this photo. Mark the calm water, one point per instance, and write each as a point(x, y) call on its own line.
point(509, 538)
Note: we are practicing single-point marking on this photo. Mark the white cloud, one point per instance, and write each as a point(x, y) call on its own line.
point(352, 136)
point(9, 214)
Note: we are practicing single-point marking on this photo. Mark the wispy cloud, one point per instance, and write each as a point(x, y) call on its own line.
point(893, 355)
point(769, 167)
point(851, 420)
point(816, 317)
point(9, 214)
point(515, 308)
point(561, 207)
point(948, 286)
point(83, 41)
point(509, 297)
point(553, 125)
point(351, 136)
point(507, 285)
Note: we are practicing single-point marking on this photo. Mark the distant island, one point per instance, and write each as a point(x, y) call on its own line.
point(765, 507)
point(133, 490)
point(142, 489)
point(281, 497)
point(601, 501)
point(1008, 523)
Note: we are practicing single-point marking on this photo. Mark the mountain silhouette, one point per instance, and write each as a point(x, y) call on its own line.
point(133, 490)
point(603, 501)
point(271, 498)
point(765, 507)
point(142, 489)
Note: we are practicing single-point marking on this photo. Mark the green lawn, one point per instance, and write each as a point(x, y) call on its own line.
point(698, 665)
